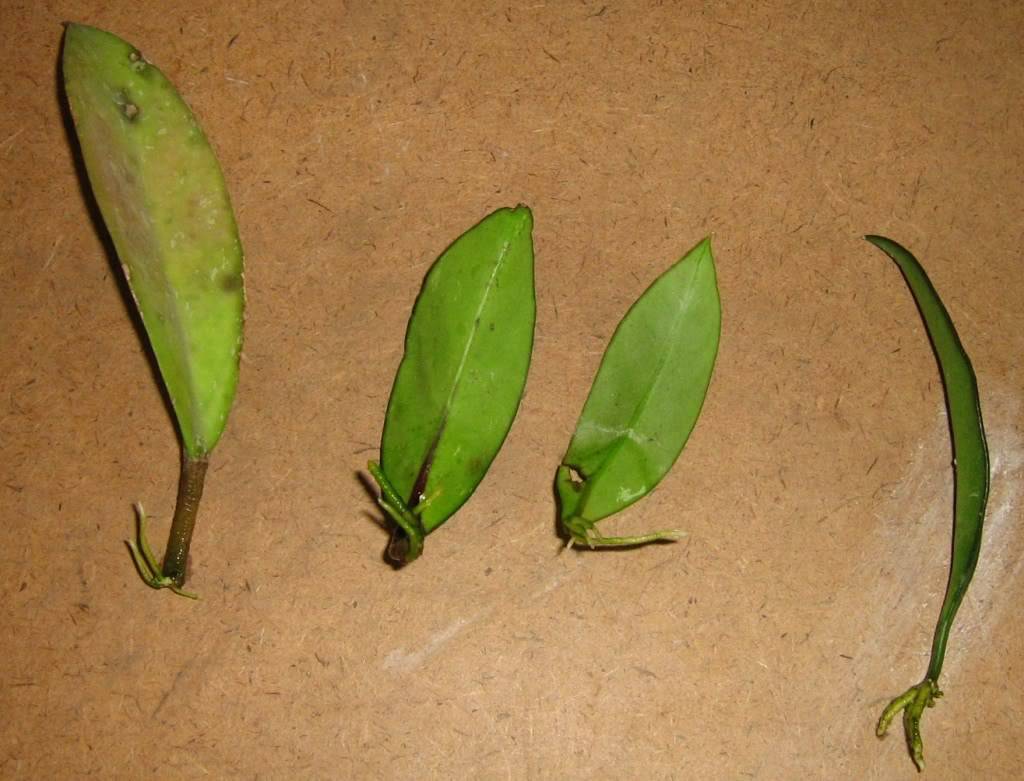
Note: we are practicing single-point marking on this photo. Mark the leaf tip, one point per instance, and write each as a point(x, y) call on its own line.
point(522, 215)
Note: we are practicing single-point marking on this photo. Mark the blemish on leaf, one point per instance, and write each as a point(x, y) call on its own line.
point(137, 60)
point(128, 107)
point(230, 282)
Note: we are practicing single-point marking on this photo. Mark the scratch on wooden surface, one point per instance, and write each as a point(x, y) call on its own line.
point(8, 143)
point(402, 661)
point(553, 583)
point(53, 252)
point(167, 694)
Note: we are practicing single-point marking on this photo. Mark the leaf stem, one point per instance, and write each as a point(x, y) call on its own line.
point(584, 532)
point(407, 538)
point(145, 561)
point(172, 573)
point(190, 491)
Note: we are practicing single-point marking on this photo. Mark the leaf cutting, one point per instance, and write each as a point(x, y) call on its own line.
point(458, 386)
point(971, 481)
point(166, 207)
point(644, 402)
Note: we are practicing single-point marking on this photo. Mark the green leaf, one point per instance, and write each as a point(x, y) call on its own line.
point(645, 400)
point(971, 480)
point(467, 352)
point(166, 206)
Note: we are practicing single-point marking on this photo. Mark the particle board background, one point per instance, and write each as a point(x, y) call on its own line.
point(358, 140)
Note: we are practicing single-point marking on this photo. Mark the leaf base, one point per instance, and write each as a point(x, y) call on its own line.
point(407, 537)
point(145, 562)
point(912, 702)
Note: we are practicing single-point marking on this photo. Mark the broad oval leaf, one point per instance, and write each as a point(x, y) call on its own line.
point(467, 352)
point(645, 399)
point(165, 204)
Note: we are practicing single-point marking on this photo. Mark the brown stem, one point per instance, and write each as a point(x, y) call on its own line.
point(190, 491)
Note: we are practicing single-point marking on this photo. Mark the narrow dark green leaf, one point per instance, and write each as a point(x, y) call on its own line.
point(971, 479)
point(467, 352)
point(645, 400)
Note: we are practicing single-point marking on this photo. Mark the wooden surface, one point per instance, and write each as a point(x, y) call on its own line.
point(358, 140)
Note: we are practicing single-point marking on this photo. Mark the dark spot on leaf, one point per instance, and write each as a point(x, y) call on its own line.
point(230, 282)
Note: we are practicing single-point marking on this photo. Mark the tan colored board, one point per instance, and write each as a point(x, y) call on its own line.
point(358, 139)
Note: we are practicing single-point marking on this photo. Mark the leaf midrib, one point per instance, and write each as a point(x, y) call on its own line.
point(423, 475)
point(179, 342)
